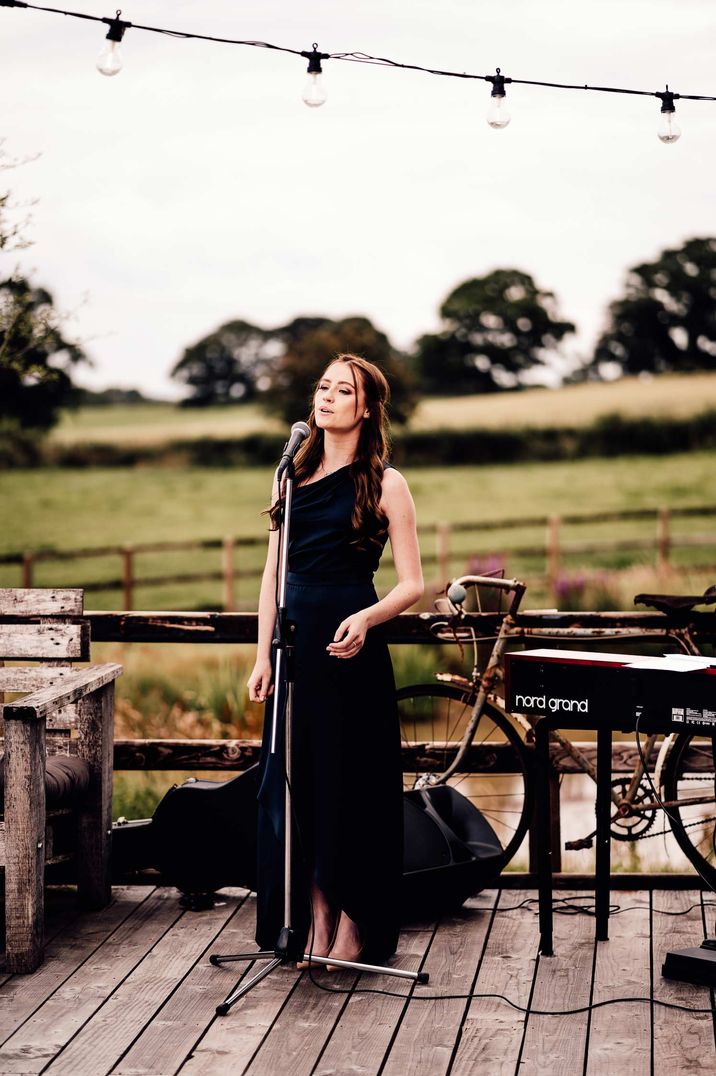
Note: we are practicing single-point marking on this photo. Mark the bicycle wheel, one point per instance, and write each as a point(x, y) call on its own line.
point(690, 798)
point(433, 718)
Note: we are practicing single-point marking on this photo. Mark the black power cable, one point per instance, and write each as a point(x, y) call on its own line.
point(561, 905)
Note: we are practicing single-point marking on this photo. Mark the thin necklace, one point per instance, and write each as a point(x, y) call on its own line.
point(321, 467)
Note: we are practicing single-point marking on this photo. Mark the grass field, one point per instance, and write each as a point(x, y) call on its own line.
point(75, 508)
point(670, 396)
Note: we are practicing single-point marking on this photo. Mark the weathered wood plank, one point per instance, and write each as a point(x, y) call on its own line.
point(486, 757)
point(162, 627)
point(366, 1026)
point(620, 1035)
point(31, 677)
point(683, 1043)
point(295, 1040)
point(76, 1000)
point(20, 996)
point(73, 687)
point(492, 1031)
point(65, 717)
point(38, 642)
point(104, 1039)
point(231, 1041)
point(428, 1031)
point(185, 754)
point(40, 601)
point(24, 763)
point(556, 1044)
point(171, 1038)
point(94, 823)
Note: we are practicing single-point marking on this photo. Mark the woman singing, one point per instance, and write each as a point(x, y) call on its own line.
point(346, 765)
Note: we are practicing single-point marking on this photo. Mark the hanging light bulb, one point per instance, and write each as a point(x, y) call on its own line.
point(109, 61)
point(314, 92)
point(668, 129)
point(497, 114)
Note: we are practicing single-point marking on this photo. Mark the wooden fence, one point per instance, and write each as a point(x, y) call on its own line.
point(438, 541)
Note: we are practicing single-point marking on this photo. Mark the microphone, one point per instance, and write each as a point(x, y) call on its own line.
point(299, 433)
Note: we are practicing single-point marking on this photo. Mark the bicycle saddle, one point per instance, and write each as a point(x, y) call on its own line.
point(676, 603)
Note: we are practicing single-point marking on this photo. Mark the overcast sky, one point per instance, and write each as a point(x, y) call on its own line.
point(196, 187)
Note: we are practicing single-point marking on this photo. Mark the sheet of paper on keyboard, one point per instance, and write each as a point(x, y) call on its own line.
point(671, 664)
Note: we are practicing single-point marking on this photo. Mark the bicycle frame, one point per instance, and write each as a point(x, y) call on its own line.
point(458, 629)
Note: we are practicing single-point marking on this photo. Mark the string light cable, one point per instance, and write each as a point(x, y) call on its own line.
point(109, 63)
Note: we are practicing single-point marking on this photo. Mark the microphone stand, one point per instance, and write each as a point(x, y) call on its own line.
point(285, 950)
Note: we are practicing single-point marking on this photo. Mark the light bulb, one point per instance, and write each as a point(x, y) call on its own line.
point(497, 114)
point(314, 92)
point(668, 129)
point(109, 61)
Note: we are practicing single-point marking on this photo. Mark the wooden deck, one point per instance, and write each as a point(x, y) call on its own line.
point(129, 990)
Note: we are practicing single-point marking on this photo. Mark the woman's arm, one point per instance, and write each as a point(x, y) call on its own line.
point(397, 503)
point(259, 683)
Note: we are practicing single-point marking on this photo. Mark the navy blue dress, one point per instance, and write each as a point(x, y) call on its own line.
point(346, 765)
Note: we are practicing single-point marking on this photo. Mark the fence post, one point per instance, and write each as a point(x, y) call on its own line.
point(553, 526)
point(442, 541)
point(663, 541)
point(28, 561)
point(128, 576)
point(228, 570)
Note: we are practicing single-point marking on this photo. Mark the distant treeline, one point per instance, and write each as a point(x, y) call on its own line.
point(611, 435)
point(111, 397)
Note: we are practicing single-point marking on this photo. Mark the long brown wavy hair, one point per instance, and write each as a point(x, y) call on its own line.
point(369, 522)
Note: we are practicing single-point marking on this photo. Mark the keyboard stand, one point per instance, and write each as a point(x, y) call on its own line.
point(544, 831)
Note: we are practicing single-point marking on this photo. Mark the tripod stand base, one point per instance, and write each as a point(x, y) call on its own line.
point(279, 957)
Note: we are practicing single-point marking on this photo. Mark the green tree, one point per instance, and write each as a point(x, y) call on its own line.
point(310, 344)
point(496, 328)
point(666, 321)
point(228, 365)
point(35, 358)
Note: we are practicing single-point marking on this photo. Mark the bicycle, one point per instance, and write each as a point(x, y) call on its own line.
point(459, 730)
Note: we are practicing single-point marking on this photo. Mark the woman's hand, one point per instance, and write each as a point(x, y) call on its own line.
point(259, 683)
point(350, 636)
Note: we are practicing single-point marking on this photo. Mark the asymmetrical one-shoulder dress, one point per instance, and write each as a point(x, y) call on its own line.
point(346, 764)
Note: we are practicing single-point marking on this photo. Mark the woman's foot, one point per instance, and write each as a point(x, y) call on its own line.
point(324, 926)
point(347, 944)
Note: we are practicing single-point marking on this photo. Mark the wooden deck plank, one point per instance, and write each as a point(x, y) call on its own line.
point(55, 1023)
point(61, 909)
point(683, 1043)
point(170, 1038)
point(426, 1039)
point(366, 1026)
point(231, 1041)
point(492, 1031)
point(303, 1026)
point(21, 995)
point(104, 1039)
point(144, 981)
point(620, 1035)
point(556, 1044)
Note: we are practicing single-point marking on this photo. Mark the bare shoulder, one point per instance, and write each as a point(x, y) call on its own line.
point(396, 499)
point(393, 482)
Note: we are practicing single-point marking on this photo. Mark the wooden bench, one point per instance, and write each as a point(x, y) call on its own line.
point(58, 740)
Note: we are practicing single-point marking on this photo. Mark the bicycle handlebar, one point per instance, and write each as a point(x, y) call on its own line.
point(488, 581)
